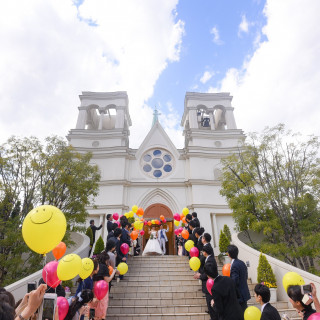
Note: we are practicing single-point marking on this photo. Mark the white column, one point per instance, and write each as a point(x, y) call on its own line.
point(212, 124)
point(230, 120)
point(82, 119)
point(119, 119)
point(193, 121)
point(101, 120)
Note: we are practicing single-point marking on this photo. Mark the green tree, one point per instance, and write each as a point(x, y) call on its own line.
point(223, 242)
point(89, 233)
point(99, 247)
point(32, 174)
point(227, 232)
point(272, 186)
point(265, 273)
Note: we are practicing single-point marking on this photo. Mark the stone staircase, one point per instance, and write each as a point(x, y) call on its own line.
point(163, 288)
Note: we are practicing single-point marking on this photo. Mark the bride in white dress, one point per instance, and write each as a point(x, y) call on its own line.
point(153, 246)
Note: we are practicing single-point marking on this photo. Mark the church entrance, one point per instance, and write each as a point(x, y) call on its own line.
point(154, 212)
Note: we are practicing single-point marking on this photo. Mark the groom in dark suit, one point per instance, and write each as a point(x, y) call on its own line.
point(239, 274)
point(262, 295)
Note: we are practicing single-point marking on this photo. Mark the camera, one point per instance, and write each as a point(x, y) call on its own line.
point(48, 307)
point(92, 313)
point(31, 286)
point(306, 289)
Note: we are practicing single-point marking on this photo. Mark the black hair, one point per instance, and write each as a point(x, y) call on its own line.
point(114, 226)
point(263, 291)
point(192, 224)
point(208, 250)
point(124, 224)
point(91, 221)
point(6, 311)
point(194, 214)
point(233, 251)
point(117, 232)
point(86, 296)
point(294, 293)
point(102, 257)
point(207, 237)
point(199, 231)
point(211, 270)
point(188, 216)
point(7, 296)
point(109, 215)
point(110, 245)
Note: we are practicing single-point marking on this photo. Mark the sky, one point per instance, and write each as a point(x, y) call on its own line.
point(265, 53)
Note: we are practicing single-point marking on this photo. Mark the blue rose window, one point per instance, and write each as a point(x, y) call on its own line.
point(157, 163)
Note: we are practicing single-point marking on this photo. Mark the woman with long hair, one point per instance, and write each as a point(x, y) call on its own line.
point(77, 308)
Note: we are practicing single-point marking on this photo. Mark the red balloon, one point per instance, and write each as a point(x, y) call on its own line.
point(63, 307)
point(59, 250)
point(176, 217)
point(176, 232)
point(226, 269)
point(185, 234)
point(142, 232)
point(124, 248)
point(49, 274)
point(145, 223)
point(209, 285)
point(100, 289)
point(194, 252)
point(314, 316)
point(115, 216)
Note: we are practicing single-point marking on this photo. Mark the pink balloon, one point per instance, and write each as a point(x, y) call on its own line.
point(176, 232)
point(180, 229)
point(314, 316)
point(164, 220)
point(49, 274)
point(118, 223)
point(100, 289)
point(194, 252)
point(145, 222)
point(210, 283)
point(142, 232)
point(63, 307)
point(124, 248)
point(176, 217)
point(115, 216)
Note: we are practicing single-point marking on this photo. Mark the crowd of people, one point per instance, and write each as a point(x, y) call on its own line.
point(227, 299)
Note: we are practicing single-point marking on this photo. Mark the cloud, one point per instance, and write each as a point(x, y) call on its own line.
point(243, 26)
point(280, 81)
point(216, 36)
point(52, 50)
point(206, 77)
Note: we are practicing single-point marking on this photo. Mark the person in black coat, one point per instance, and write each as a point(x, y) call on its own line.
point(94, 229)
point(59, 290)
point(224, 296)
point(262, 296)
point(116, 239)
point(109, 222)
point(192, 236)
point(198, 232)
point(111, 233)
point(125, 237)
point(195, 219)
point(209, 259)
point(239, 274)
point(188, 219)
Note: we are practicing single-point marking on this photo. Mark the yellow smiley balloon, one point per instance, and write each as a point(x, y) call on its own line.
point(43, 228)
point(86, 268)
point(69, 267)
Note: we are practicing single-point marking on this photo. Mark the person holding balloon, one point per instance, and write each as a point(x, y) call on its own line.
point(78, 306)
point(87, 283)
point(198, 232)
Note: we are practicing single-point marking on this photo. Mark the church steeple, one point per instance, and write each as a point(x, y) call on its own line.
point(156, 113)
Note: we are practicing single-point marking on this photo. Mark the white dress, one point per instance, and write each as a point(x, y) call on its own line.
point(153, 246)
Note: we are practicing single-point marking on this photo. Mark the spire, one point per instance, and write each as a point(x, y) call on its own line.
point(156, 113)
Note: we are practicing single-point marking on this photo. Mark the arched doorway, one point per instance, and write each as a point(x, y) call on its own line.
point(154, 211)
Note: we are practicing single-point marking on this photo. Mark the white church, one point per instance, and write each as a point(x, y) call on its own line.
point(157, 176)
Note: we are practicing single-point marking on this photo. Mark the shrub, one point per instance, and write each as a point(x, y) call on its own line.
point(265, 273)
point(227, 232)
point(90, 235)
point(223, 242)
point(99, 247)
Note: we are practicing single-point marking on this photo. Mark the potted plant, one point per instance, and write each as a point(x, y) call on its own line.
point(226, 231)
point(267, 277)
point(223, 247)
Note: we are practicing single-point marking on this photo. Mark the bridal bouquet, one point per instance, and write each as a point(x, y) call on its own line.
point(151, 237)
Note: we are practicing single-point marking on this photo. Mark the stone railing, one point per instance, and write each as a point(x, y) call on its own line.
point(280, 268)
point(81, 248)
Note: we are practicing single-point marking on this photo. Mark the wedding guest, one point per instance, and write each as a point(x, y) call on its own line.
point(224, 300)
point(110, 248)
point(195, 218)
point(88, 282)
point(192, 236)
point(239, 274)
point(296, 297)
point(59, 290)
point(125, 237)
point(109, 222)
point(77, 307)
point(111, 233)
point(188, 219)
point(262, 296)
point(198, 232)
point(206, 238)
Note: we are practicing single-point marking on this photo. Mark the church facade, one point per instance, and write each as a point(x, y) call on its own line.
point(157, 176)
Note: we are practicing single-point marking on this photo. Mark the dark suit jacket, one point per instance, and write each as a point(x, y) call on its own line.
point(94, 229)
point(270, 313)
point(110, 235)
point(239, 274)
point(109, 226)
point(225, 299)
point(125, 238)
point(196, 220)
point(199, 244)
point(193, 238)
point(203, 276)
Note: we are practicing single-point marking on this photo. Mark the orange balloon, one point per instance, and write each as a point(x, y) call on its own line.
point(59, 250)
point(161, 217)
point(134, 235)
point(110, 270)
point(226, 270)
point(181, 216)
point(185, 234)
point(184, 220)
point(139, 212)
point(149, 223)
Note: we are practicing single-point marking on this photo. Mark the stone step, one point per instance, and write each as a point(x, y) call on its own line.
point(174, 294)
point(155, 288)
point(156, 282)
point(155, 316)
point(200, 301)
point(159, 277)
